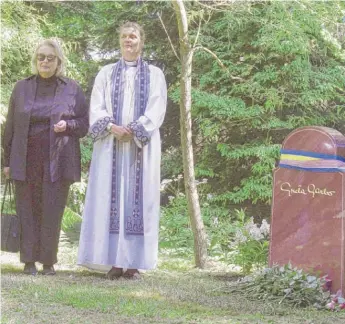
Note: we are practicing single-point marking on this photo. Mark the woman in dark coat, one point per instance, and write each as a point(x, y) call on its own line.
point(47, 115)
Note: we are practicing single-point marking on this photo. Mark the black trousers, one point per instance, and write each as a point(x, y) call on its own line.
point(40, 206)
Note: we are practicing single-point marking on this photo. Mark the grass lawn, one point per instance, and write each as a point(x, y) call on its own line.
point(175, 293)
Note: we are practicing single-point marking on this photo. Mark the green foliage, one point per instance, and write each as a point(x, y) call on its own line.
point(74, 24)
point(175, 231)
point(9, 206)
point(17, 39)
point(76, 196)
point(251, 253)
point(257, 186)
point(283, 285)
point(8, 203)
point(70, 221)
point(20, 32)
point(282, 69)
point(249, 246)
point(86, 147)
point(171, 162)
point(232, 235)
point(225, 228)
point(176, 234)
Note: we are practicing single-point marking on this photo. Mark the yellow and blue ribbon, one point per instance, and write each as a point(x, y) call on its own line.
point(311, 161)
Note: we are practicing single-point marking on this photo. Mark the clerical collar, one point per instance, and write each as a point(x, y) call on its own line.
point(131, 63)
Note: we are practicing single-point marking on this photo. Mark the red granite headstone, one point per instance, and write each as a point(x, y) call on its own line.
point(307, 225)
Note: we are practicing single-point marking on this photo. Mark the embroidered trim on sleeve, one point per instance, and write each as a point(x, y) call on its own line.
point(139, 132)
point(98, 129)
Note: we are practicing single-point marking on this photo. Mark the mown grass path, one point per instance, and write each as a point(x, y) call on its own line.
point(175, 293)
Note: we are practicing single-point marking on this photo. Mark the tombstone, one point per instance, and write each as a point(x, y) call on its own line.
point(307, 224)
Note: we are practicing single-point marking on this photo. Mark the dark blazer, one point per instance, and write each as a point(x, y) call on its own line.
point(69, 104)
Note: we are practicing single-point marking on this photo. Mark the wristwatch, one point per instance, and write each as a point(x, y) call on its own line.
point(109, 127)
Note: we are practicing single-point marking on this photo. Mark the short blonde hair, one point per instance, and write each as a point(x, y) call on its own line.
point(60, 71)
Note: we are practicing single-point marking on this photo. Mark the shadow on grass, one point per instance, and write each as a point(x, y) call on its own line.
point(193, 296)
point(9, 269)
point(227, 277)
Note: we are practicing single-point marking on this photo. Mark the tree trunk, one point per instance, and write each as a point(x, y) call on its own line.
point(186, 55)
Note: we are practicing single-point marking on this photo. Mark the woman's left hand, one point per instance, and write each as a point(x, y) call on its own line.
point(60, 126)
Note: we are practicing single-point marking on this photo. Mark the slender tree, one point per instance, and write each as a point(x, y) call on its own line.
point(186, 57)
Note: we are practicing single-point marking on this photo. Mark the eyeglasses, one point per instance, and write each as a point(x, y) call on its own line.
point(42, 57)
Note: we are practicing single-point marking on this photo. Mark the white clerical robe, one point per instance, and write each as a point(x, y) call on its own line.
point(100, 249)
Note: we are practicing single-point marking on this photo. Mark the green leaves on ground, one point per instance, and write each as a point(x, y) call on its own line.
point(283, 285)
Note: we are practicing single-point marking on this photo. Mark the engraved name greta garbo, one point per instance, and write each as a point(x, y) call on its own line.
point(311, 189)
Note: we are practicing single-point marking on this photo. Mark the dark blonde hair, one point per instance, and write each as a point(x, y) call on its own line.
point(60, 70)
point(136, 26)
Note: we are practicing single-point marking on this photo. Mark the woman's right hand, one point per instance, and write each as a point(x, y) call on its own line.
point(7, 172)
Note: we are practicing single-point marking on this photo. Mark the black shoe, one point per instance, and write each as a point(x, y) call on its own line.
point(30, 268)
point(132, 274)
point(48, 270)
point(114, 273)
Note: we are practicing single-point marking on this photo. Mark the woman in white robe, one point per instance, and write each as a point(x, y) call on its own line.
point(121, 214)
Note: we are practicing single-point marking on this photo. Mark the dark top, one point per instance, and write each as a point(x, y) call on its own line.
point(22, 121)
point(40, 112)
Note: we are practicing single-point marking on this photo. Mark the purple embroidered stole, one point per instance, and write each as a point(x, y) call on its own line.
point(133, 206)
